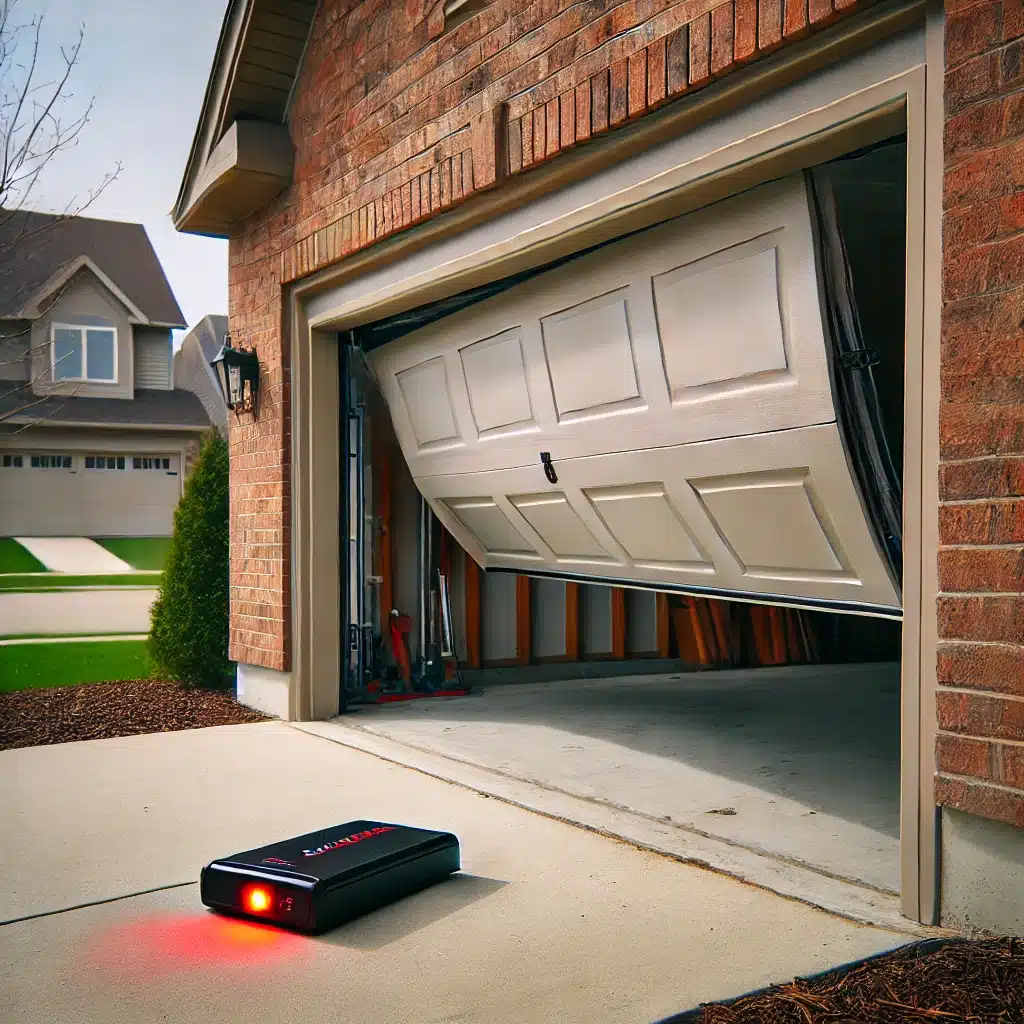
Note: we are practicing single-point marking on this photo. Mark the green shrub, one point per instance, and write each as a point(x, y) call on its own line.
point(188, 639)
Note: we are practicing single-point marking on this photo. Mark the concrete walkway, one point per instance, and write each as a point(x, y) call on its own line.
point(73, 555)
point(90, 611)
point(72, 639)
point(546, 923)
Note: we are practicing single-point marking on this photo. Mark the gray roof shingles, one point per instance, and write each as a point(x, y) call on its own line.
point(209, 332)
point(35, 246)
point(176, 408)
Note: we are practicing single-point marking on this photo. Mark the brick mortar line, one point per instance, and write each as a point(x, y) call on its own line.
point(985, 643)
point(991, 47)
point(954, 502)
point(981, 594)
point(1007, 290)
point(973, 459)
point(974, 780)
point(1009, 546)
point(986, 243)
point(965, 156)
point(984, 694)
point(980, 739)
point(976, 104)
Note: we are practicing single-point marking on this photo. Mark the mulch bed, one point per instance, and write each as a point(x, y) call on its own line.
point(959, 982)
point(30, 718)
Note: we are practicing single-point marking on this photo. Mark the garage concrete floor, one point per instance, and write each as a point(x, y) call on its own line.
point(800, 763)
point(546, 923)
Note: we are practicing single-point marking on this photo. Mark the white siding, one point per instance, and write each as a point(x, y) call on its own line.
point(153, 362)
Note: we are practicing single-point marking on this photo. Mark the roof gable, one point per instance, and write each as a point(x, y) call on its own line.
point(37, 303)
point(40, 252)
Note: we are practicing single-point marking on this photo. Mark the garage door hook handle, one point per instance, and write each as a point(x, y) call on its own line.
point(549, 469)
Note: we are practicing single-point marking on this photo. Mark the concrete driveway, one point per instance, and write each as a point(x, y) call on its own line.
point(547, 922)
point(117, 610)
point(73, 555)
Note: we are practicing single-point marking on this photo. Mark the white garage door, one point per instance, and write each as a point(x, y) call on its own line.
point(100, 494)
point(679, 381)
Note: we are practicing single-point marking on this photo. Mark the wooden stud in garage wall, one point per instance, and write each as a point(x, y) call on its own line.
point(523, 620)
point(618, 623)
point(664, 626)
point(572, 622)
point(473, 635)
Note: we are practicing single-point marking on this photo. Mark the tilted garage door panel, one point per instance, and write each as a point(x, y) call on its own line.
point(704, 327)
point(679, 381)
point(771, 514)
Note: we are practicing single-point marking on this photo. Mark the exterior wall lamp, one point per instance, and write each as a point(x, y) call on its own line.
point(238, 374)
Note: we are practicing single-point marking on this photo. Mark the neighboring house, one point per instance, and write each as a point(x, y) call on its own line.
point(94, 436)
point(194, 372)
point(662, 298)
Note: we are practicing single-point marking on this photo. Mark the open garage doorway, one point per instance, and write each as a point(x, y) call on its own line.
point(736, 675)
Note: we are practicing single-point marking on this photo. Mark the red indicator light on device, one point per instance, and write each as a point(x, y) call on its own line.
point(256, 899)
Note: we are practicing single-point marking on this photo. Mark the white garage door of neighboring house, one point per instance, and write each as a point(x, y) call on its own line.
point(95, 494)
point(679, 380)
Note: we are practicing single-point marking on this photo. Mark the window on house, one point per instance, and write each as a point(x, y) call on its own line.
point(84, 353)
point(150, 462)
point(104, 462)
point(49, 461)
point(13, 461)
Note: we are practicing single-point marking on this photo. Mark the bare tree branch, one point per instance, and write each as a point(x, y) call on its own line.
point(34, 130)
point(38, 420)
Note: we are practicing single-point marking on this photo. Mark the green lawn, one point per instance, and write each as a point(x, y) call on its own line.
point(15, 558)
point(31, 665)
point(61, 581)
point(138, 552)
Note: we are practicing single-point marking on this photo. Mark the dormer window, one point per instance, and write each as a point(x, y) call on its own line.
point(87, 354)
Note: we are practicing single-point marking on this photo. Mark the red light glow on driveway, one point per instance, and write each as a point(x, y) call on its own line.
point(162, 944)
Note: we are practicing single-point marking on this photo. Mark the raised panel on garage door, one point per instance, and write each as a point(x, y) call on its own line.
point(707, 326)
point(130, 502)
point(679, 381)
point(768, 515)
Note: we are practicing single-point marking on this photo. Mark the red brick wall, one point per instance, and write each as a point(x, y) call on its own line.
point(981, 516)
point(396, 119)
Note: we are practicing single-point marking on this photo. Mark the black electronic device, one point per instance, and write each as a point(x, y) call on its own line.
point(314, 882)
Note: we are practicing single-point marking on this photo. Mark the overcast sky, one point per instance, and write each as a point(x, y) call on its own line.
point(146, 63)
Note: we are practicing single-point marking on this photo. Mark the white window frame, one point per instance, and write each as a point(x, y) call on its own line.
point(159, 459)
point(126, 460)
point(83, 330)
point(70, 467)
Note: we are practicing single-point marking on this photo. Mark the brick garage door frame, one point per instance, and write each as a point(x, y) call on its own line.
point(449, 253)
